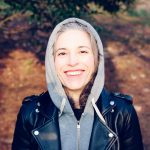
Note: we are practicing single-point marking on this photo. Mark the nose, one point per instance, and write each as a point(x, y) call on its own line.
point(73, 59)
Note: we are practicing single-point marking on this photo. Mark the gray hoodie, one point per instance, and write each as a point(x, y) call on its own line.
point(74, 135)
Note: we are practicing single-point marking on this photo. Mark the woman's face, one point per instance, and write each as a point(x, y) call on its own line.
point(74, 59)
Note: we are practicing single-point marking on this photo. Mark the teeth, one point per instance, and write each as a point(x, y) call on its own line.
point(74, 73)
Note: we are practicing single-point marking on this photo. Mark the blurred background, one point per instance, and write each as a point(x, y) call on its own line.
point(25, 26)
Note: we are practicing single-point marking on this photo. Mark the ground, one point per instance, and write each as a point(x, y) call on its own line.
point(127, 56)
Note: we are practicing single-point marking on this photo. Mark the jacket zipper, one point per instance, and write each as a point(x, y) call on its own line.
point(78, 134)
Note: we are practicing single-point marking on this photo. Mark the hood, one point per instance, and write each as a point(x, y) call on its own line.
point(54, 85)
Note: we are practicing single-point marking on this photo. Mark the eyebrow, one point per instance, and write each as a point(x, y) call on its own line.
point(84, 47)
point(60, 49)
point(66, 49)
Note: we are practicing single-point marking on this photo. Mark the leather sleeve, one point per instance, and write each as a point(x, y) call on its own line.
point(21, 139)
point(131, 137)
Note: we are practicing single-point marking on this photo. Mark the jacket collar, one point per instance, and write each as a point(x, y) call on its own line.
point(49, 110)
point(105, 102)
point(47, 107)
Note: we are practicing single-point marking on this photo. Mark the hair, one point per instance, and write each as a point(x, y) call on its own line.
point(86, 91)
point(84, 95)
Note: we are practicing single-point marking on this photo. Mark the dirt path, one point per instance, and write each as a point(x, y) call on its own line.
point(127, 52)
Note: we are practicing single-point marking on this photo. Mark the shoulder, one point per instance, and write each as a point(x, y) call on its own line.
point(35, 98)
point(117, 102)
point(108, 97)
point(30, 104)
point(120, 97)
point(114, 99)
point(123, 103)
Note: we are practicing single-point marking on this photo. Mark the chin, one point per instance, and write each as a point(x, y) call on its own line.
point(75, 88)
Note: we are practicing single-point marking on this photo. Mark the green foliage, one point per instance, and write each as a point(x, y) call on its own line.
point(54, 11)
point(4, 9)
point(3, 5)
point(43, 15)
point(141, 13)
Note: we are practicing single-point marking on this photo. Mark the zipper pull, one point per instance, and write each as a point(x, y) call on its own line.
point(78, 135)
point(78, 125)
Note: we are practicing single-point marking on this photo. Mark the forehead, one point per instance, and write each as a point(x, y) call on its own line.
point(72, 37)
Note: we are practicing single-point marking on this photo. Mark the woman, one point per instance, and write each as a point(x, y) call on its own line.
point(76, 113)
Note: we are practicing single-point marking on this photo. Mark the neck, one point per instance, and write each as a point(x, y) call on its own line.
point(75, 96)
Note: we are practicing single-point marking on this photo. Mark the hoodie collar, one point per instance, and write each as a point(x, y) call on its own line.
point(49, 110)
point(54, 85)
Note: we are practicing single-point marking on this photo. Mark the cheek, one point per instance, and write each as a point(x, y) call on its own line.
point(90, 62)
point(92, 67)
point(59, 63)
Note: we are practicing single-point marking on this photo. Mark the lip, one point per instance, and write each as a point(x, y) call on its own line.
point(76, 72)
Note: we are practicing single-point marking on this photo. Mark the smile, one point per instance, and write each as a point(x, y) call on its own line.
point(73, 73)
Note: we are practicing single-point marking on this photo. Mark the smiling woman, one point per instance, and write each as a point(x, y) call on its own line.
point(74, 62)
point(77, 112)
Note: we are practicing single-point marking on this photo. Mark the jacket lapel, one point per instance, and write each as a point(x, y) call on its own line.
point(47, 135)
point(102, 136)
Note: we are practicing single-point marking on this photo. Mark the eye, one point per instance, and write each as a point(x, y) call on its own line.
point(83, 51)
point(61, 54)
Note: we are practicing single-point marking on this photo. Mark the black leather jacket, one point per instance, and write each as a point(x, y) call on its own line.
point(37, 125)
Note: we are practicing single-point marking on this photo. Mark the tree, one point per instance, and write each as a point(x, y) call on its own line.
point(43, 15)
point(56, 10)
